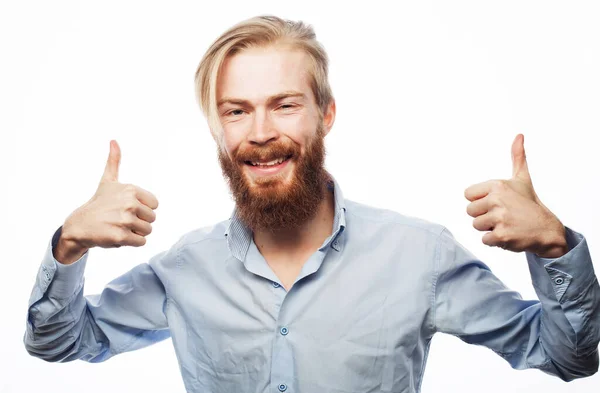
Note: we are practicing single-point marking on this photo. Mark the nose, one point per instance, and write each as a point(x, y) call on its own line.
point(263, 129)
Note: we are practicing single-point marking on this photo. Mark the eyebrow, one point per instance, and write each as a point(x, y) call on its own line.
point(270, 100)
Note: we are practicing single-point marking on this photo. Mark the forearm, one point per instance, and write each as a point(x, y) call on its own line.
point(63, 330)
point(64, 325)
point(58, 315)
point(558, 334)
point(570, 309)
point(566, 351)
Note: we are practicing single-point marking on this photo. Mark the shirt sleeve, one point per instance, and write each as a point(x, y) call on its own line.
point(63, 325)
point(558, 334)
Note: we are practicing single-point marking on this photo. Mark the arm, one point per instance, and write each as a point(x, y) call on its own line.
point(558, 334)
point(63, 325)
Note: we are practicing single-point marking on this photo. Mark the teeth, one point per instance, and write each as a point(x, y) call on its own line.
point(270, 163)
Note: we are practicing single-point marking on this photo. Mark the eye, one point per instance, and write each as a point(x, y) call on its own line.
point(235, 112)
point(286, 106)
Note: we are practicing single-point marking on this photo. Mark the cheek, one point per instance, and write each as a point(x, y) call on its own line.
point(297, 128)
point(231, 141)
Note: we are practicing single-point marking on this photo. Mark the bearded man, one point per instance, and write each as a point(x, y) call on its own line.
point(302, 290)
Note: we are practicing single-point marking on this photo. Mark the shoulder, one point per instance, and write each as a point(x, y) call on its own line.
point(198, 245)
point(212, 232)
point(206, 235)
point(365, 215)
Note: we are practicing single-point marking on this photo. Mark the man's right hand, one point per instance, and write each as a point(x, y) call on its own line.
point(117, 215)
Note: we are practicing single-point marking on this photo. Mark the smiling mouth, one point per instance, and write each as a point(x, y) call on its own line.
point(267, 164)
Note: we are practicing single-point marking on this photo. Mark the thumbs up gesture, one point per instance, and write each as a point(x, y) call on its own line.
point(512, 214)
point(117, 215)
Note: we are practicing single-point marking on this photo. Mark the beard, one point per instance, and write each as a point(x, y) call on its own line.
point(272, 203)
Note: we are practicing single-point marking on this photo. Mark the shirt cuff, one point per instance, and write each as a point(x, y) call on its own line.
point(567, 276)
point(57, 280)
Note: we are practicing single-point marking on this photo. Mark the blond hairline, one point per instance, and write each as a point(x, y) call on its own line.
point(247, 35)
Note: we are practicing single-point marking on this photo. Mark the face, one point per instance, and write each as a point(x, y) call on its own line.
point(273, 137)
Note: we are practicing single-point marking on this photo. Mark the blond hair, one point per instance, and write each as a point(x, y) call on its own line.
point(259, 31)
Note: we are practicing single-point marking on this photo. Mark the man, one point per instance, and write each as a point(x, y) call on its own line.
point(302, 290)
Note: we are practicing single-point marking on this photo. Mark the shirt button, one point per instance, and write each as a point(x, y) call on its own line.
point(282, 387)
point(559, 280)
point(284, 331)
point(276, 285)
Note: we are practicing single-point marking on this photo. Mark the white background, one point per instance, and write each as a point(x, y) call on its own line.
point(430, 95)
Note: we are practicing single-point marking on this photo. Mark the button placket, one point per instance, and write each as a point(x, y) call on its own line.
point(336, 244)
point(283, 361)
point(46, 273)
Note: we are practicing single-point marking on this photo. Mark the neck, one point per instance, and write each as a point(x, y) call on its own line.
point(307, 237)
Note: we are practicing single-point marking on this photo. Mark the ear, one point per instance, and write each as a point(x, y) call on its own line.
point(329, 117)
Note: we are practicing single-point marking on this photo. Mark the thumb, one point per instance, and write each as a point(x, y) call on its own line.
point(111, 171)
point(519, 160)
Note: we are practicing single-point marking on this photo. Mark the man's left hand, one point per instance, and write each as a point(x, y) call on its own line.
point(513, 214)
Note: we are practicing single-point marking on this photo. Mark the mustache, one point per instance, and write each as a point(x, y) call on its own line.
point(266, 153)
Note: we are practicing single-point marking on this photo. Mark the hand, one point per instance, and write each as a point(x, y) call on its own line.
point(117, 215)
point(513, 214)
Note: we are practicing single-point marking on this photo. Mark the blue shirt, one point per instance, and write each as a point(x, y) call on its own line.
point(360, 316)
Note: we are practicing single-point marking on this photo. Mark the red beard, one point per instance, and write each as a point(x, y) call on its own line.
point(270, 204)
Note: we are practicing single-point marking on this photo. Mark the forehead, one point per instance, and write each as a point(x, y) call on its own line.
point(255, 74)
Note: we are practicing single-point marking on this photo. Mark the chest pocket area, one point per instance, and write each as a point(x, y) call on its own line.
point(218, 351)
point(346, 351)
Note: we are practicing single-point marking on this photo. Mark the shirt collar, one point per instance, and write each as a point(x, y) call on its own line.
point(239, 235)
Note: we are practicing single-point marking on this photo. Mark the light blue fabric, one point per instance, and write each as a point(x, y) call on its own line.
point(359, 318)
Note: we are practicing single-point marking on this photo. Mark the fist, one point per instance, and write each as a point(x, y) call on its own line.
point(117, 215)
point(513, 214)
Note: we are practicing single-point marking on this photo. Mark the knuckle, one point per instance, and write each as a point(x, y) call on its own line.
point(121, 238)
point(130, 205)
point(502, 215)
point(501, 234)
point(500, 185)
point(130, 191)
point(127, 219)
